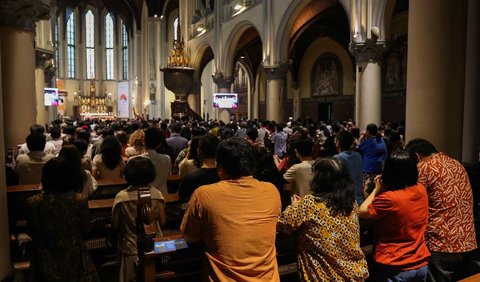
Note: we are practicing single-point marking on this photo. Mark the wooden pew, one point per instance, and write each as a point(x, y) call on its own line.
point(172, 183)
point(108, 188)
point(187, 264)
point(180, 265)
point(473, 278)
point(101, 240)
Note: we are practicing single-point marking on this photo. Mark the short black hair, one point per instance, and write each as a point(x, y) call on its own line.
point(153, 137)
point(421, 147)
point(336, 127)
point(400, 171)
point(198, 131)
point(208, 145)
point(252, 133)
point(235, 156)
point(69, 130)
point(139, 171)
point(372, 129)
point(84, 135)
point(37, 129)
point(345, 139)
point(175, 127)
point(55, 132)
point(332, 183)
point(304, 146)
point(81, 146)
point(36, 142)
point(55, 176)
point(107, 131)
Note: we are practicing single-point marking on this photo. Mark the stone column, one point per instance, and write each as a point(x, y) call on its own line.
point(436, 73)
point(368, 99)
point(471, 116)
point(17, 25)
point(5, 267)
point(17, 91)
point(297, 101)
point(43, 71)
point(224, 85)
point(275, 94)
point(138, 73)
point(159, 96)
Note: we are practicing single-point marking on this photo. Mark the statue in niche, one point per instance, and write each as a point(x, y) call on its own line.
point(326, 76)
point(93, 90)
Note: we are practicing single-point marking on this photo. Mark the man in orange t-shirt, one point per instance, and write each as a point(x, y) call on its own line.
point(450, 233)
point(235, 218)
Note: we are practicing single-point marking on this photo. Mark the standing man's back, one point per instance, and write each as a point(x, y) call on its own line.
point(450, 233)
point(161, 162)
point(352, 160)
point(373, 149)
point(236, 218)
point(299, 175)
point(207, 174)
point(175, 141)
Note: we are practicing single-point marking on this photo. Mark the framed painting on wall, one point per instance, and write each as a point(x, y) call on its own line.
point(395, 67)
point(326, 76)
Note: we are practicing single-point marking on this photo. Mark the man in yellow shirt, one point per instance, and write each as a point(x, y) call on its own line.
point(235, 218)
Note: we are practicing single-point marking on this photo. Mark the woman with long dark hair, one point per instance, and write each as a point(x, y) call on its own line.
point(81, 179)
point(58, 218)
point(399, 207)
point(109, 163)
point(191, 162)
point(326, 226)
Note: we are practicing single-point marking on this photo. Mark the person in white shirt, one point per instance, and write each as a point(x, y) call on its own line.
point(161, 162)
point(37, 129)
point(29, 166)
point(262, 133)
point(56, 139)
point(299, 175)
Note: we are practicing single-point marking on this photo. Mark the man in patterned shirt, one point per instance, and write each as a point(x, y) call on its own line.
point(450, 233)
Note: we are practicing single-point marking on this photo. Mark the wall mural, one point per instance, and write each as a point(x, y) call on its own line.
point(395, 70)
point(326, 76)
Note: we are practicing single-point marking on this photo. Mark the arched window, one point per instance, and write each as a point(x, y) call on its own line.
point(90, 44)
point(175, 29)
point(125, 51)
point(109, 46)
point(71, 45)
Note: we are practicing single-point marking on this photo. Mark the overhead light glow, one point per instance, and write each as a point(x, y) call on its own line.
point(238, 7)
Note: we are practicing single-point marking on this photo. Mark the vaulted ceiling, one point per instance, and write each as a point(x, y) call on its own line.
point(318, 19)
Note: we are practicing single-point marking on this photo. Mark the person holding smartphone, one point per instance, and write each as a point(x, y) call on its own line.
point(399, 207)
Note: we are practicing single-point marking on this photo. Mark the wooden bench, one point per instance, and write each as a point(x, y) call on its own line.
point(108, 188)
point(187, 264)
point(101, 240)
point(473, 278)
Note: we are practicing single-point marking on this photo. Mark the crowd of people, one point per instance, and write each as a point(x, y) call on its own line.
point(249, 180)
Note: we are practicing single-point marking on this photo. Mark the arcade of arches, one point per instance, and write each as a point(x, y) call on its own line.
point(413, 62)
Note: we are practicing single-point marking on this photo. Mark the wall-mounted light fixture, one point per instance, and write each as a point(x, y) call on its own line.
point(239, 8)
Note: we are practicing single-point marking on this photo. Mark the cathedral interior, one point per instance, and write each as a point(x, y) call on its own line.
point(415, 63)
